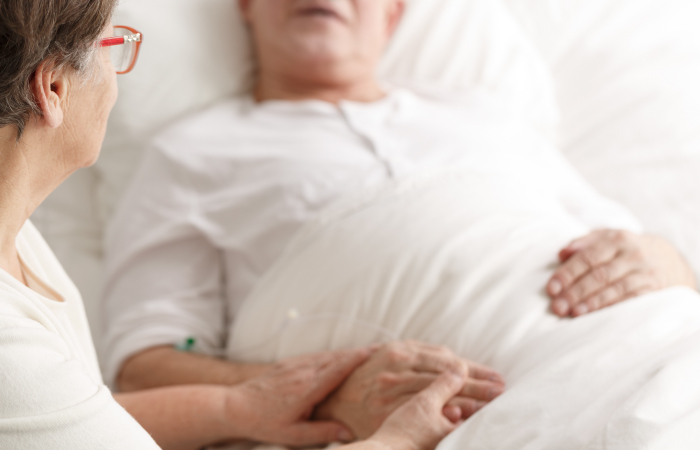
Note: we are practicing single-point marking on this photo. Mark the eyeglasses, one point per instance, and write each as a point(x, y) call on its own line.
point(124, 48)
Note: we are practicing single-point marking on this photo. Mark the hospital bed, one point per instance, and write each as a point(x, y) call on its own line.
point(613, 83)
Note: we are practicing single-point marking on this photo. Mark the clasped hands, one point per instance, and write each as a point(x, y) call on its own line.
point(397, 372)
point(403, 395)
point(609, 266)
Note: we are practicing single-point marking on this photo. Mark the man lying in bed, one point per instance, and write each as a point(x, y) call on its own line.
point(221, 195)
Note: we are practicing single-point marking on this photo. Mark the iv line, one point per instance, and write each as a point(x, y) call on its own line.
point(294, 317)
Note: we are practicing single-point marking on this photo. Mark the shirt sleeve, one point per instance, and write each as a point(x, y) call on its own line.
point(48, 400)
point(163, 276)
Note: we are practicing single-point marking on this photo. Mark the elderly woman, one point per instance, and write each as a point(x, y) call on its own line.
point(57, 86)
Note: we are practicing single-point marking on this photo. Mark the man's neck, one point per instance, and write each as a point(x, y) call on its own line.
point(281, 88)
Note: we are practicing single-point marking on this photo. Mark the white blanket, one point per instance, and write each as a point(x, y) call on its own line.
point(461, 260)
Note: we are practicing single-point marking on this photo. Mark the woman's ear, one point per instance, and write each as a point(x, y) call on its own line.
point(50, 87)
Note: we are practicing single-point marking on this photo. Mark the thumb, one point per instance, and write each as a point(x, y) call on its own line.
point(332, 374)
point(307, 434)
point(443, 389)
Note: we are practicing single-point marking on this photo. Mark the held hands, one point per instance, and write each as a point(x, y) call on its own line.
point(420, 424)
point(395, 374)
point(609, 266)
point(276, 407)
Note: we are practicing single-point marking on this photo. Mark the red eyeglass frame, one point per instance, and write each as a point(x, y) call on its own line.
point(121, 40)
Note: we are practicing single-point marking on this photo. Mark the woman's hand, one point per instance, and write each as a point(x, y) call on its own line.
point(420, 424)
point(276, 407)
point(396, 373)
point(609, 266)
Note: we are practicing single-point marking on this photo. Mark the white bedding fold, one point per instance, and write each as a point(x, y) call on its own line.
point(461, 260)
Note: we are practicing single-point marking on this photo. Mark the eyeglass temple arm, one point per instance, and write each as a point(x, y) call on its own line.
point(119, 40)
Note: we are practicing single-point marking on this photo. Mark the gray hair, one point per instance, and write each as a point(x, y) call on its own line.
point(60, 32)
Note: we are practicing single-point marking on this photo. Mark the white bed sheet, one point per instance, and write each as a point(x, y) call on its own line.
point(418, 261)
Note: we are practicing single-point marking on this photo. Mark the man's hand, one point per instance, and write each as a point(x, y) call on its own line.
point(276, 407)
point(609, 266)
point(396, 373)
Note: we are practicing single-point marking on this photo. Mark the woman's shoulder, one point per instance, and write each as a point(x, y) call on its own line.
point(38, 256)
point(31, 346)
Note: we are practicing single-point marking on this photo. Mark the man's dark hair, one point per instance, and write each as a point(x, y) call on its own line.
point(62, 32)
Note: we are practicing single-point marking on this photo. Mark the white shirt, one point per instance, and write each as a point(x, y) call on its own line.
point(51, 391)
point(220, 195)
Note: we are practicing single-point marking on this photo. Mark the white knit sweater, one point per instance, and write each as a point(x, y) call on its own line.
point(51, 392)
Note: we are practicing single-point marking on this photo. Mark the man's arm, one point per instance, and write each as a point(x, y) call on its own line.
point(272, 408)
point(165, 366)
point(163, 275)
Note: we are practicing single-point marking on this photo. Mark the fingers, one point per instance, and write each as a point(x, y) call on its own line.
point(579, 244)
point(453, 413)
point(425, 419)
point(479, 372)
point(333, 369)
point(481, 390)
point(421, 357)
point(437, 360)
point(577, 266)
point(628, 287)
point(308, 434)
point(467, 407)
point(596, 280)
point(443, 389)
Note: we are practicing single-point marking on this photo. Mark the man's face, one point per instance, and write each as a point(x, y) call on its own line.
point(321, 34)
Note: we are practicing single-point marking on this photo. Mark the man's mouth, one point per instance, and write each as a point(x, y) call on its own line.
point(320, 12)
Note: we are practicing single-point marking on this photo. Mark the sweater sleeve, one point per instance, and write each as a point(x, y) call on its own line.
point(49, 401)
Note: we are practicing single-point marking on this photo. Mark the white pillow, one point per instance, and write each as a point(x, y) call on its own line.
point(628, 83)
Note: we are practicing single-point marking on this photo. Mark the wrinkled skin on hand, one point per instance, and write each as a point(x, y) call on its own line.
point(419, 424)
point(610, 266)
point(396, 373)
point(276, 407)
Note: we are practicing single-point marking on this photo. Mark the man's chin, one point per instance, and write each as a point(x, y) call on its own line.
point(320, 50)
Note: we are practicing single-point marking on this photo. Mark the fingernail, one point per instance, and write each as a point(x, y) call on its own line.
point(495, 392)
point(345, 436)
point(555, 287)
point(496, 379)
point(581, 309)
point(561, 307)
